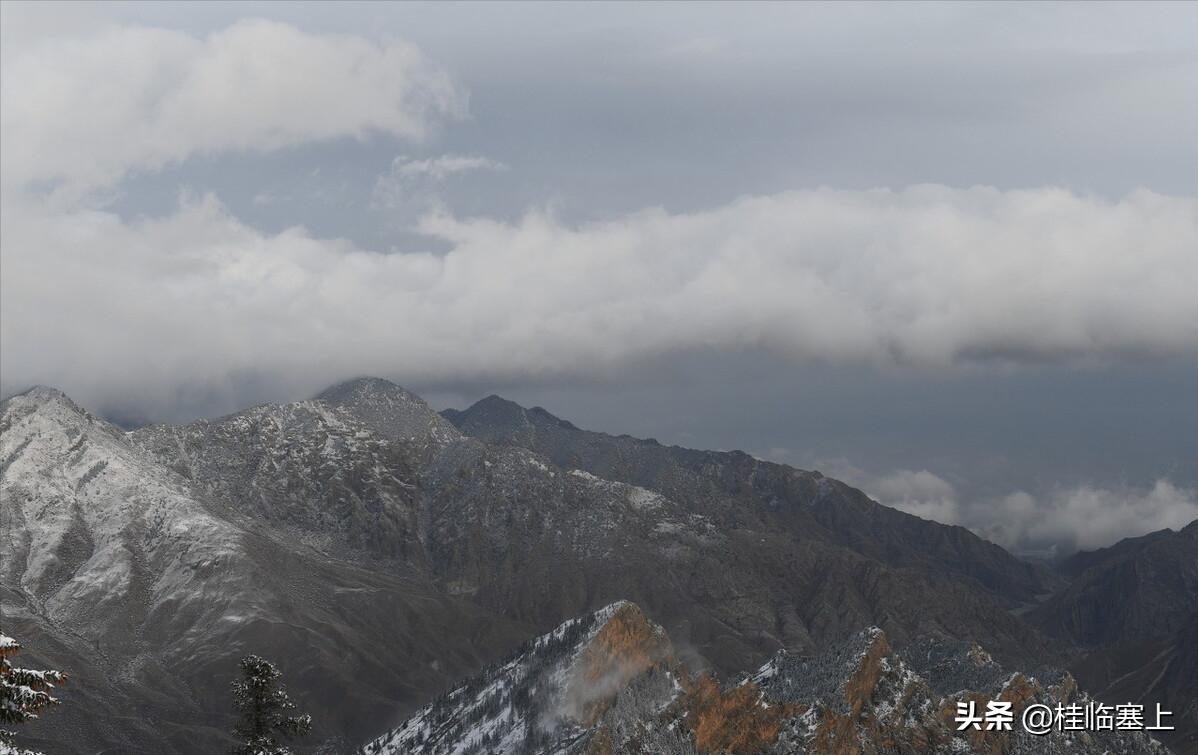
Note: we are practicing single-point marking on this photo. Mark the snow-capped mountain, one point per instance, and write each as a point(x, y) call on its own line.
point(378, 551)
point(146, 588)
point(609, 683)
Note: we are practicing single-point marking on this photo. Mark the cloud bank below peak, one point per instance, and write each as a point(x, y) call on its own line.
point(1050, 523)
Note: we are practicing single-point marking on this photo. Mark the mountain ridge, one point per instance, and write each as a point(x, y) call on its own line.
point(362, 519)
point(495, 419)
point(858, 696)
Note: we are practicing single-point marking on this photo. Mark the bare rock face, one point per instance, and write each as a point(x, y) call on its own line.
point(858, 698)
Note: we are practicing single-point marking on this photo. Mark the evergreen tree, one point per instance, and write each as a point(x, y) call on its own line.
point(263, 703)
point(23, 692)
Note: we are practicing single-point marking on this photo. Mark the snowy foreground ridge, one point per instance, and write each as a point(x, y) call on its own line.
point(610, 682)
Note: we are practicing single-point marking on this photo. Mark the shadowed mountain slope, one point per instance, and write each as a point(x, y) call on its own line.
point(1137, 589)
point(1134, 608)
point(730, 482)
point(368, 472)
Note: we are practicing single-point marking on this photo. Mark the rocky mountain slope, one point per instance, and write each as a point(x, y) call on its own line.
point(378, 551)
point(1137, 589)
point(1133, 608)
point(609, 683)
point(721, 483)
point(146, 590)
point(737, 557)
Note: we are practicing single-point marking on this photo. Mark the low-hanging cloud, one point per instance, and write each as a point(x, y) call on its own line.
point(1084, 517)
point(929, 276)
point(920, 493)
point(1051, 523)
point(79, 114)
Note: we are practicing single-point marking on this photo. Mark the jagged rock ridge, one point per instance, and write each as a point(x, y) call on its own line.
point(860, 696)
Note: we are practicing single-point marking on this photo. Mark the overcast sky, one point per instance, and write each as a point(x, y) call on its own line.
point(945, 252)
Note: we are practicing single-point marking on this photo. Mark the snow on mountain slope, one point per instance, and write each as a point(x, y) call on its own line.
point(311, 469)
point(550, 695)
point(378, 554)
point(146, 589)
point(92, 525)
point(858, 697)
point(390, 411)
point(720, 546)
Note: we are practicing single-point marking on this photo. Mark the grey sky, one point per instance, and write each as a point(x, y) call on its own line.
point(662, 219)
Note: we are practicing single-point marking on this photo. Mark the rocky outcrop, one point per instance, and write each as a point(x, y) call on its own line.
point(858, 698)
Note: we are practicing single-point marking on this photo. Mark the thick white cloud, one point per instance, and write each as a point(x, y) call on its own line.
point(82, 112)
point(1084, 517)
point(920, 493)
point(927, 276)
point(126, 311)
point(1057, 522)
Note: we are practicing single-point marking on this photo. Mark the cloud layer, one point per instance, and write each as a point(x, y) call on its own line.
point(1058, 522)
point(927, 276)
point(79, 114)
point(1085, 517)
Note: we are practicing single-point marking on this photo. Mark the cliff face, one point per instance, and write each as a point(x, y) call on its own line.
point(609, 684)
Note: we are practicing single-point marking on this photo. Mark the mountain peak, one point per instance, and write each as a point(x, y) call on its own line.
point(495, 407)
point(493, 417)
point(49, 402)
point(41, 394)
point(362, 387)
point(389, 410)
point(556, 687)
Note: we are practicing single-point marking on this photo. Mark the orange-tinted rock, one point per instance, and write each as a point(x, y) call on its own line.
point(627, 646)
point(738, 722)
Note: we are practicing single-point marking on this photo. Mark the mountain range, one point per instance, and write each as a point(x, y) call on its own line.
point(381, 552)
